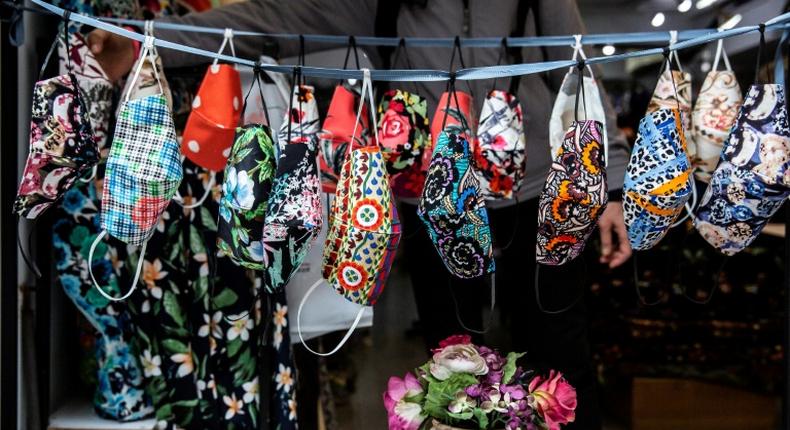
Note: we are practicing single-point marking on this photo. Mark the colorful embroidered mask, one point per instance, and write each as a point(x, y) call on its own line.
point(62, 146)
point(673, 91)
point(657, 179)
point(293, 216)
point(216, 110)
point(336, 134)
point(364, 229)
point(753, 178)
point(574, 196)
point(714, 114)
point(143, 173)
point(96, 88)
point(452, 206)
point(500, 153)
point(562, 115)
point(404, 135)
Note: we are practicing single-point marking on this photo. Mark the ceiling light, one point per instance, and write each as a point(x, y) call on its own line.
point(684, 6)
point(732, 22)
point(608, 50)
point(658, 20)
point(702, 4)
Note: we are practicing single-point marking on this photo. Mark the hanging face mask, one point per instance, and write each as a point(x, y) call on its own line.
point(245, 193)
point(500, 153)
point(146, 84)
point(673, 91)
point(364, 230)
point(97, 89)
point(452, 206)
point(714, 114)
point(752, 180)
point(563, 113)
point(293, 216)
point(658, 180)
point(143, 173)
point(336, 138)
point(404, 135)
point(216, 110)
point(575, 193)
point(62, 146)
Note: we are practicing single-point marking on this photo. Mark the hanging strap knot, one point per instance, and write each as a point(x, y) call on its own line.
point(229, 33)
point(762, 28)
point(577, 41)
point(256, 68)
point(402, 42)
point(504, 43)
point(666, 51)
point(148, 42)
point(66, 14)
point(581, 63)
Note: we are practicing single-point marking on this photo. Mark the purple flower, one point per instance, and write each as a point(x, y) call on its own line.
point(517, 392)
point(474, 390)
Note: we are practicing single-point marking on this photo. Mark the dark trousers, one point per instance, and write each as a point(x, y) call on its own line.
point(551, 341)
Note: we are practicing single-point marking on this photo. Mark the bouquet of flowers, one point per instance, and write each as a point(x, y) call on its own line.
point(465, 386)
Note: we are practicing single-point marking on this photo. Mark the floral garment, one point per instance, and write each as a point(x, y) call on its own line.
point(501, 150)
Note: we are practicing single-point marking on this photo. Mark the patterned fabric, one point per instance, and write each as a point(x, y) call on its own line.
point(364, 229)
point(119, 391)
point(404, 135)
point(143, 170)
point(657, 178)
point(714, 114)
point(96, 89)
point(283, 413)
point(211, 126)
point(304, 118)
point(501, 150)
point(562, 115)
point(146, 83)
point(245, 192)
point(459, 117)
point(453, 210)
point(62, 147)
point(574, 196)
point(293, 218)
point(336, 134)
point(665, 96)
point(753, 178)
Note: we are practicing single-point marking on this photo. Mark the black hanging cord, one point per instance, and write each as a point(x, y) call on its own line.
point(66, 18)
point(713, 289)
point(760, 50)
point(543, 309)
point(396, 55)
point(450, 92)
point(580, 92)
point(352, 44)
point(256, 80)
point(457, 47)
point(637, 287)
point(500, 57)
point(29, 262)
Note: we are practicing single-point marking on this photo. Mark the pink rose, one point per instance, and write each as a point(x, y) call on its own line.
point(554, 399)
point(394, 130)
point(456, 339)
point(401, 413)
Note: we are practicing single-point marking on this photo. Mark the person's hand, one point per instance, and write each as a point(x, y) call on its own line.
point(612, 222)
point(114, 53)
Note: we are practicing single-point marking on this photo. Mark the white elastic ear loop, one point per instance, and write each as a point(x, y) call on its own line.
point(136, 275)
point(576, 46)
point(299, 324)
point(148, 30)
point(721, 53)
point(147, 52)
point(92, 176)
point(180, 200)
point(367, 85)
point(673, 39)
point(228, 37)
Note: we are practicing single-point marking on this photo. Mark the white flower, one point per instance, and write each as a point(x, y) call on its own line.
point(153, 272)
point(241, 327)
point(210, 385)
point(187, 365)
point(234, 406)
point(201, 258)
point(292, 409)
point(458, 359)
point(280, 313)
point(278, 338)
point(211, 325)
point(250, 391)
point(151, 364)
point(284, 379)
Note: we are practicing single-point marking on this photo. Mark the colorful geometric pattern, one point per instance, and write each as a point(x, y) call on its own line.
point(657, 184)
point(364, 229)
point(753, 178)
point(453, 210)
point(574, 196)
point(143, 170)
point(501, 150)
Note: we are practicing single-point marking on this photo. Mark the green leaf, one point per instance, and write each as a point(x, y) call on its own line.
point(440, 394)
point(463, 416)
point(234, 346)
point(175, 346)
point(225, 298)
point(510, 366)
point(207, 220)
point(481, 417)
point(173, 308)
point(196, 241)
